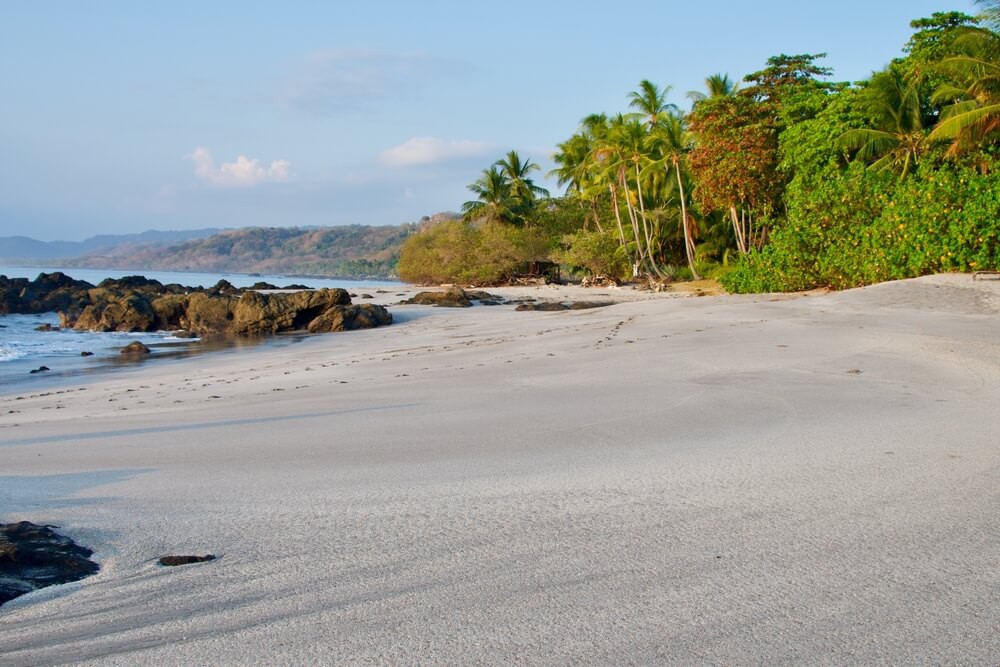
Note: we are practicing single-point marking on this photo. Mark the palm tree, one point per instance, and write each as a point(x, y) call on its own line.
point(494, 198)
point(650, 101)
point(522, 187)
point(574, 160)
point(899, 138)
point(670, 141)
point(991, 13)
point(717, 85)
point(974, 117)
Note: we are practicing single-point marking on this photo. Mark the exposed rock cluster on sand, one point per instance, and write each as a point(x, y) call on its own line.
point(453, 297)
point(32, 557)
point(135, 303)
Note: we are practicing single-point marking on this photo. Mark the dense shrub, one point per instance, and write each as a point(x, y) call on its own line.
point(858, 227)
point(462, 252)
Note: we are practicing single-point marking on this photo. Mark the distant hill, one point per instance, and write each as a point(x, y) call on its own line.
point(353, 251)
point(21, 248)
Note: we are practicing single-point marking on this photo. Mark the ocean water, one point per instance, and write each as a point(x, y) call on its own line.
point(23, 348)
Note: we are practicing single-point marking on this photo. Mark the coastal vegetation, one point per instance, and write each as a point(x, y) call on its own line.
point(787, 180)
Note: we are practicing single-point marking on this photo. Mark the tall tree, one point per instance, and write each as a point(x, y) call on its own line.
point(716, 85)
point(897, 140)
point(735, 162)
point(518, 173)
point(495, 201)
point(670, 143)
point(790, 87)
point(650, 101)
point(973, 120)
point(991, 13)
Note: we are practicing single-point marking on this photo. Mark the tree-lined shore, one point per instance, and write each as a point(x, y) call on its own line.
point(784, 180)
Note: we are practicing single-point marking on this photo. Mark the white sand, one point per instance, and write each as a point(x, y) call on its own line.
point(728, 480)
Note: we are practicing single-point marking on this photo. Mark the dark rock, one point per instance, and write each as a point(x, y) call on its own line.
point(546, 306)
point(48, 292)
point(585, 305)
point(131, 283)
point(549, 306)
point(136, 348)
point(367, 296)
point(86, 354)
point(479, 295)
point(32, 557)
point(137, 304)
point(111, 309)
point(490, 302)
point(223, 287)
point(40, 369)
point(296, 286)
point(263, 285)
point(453, 297)
point(173, 561)
point(349, 318)
point(46, 327)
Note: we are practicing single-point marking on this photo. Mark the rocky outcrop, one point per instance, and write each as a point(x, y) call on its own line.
point(32, 557)
point(218, 311)
point(48, 292)
point(136, 304)
point(453, 297)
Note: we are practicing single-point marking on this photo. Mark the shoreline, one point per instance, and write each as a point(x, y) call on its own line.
point(82, 372)
point(720, 479)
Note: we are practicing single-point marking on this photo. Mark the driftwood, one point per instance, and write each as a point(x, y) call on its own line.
point(600, 280)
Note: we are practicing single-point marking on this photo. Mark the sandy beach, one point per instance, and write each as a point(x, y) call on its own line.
point(673, 480)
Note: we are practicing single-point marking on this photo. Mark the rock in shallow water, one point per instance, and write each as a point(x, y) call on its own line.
point(136, 348)
point(33, 556)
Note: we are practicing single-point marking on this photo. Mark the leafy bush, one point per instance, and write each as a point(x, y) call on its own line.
point(858, 227)
point(596, 253)
point(456, 251)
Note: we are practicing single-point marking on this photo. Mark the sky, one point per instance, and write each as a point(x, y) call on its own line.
point(118, 117)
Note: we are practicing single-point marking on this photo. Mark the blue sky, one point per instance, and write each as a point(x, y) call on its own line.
point(119, 117)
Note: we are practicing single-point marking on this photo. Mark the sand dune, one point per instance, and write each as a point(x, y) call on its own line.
point(668, 480)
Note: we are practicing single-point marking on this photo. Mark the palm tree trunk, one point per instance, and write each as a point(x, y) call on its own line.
point(688, 241)
point(618, 215)
point(597, 218)
point(633, 219)
point(645, 226)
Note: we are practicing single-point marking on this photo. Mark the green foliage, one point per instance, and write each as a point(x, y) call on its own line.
point(458, 251)
point(596, 252)
point(505, 192)
point(859, 227)
point(729, 127)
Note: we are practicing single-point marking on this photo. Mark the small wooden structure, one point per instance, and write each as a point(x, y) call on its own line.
point(539, 270)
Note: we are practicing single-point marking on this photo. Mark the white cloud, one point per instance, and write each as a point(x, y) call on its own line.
point(428, 150)
point(242, 173)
